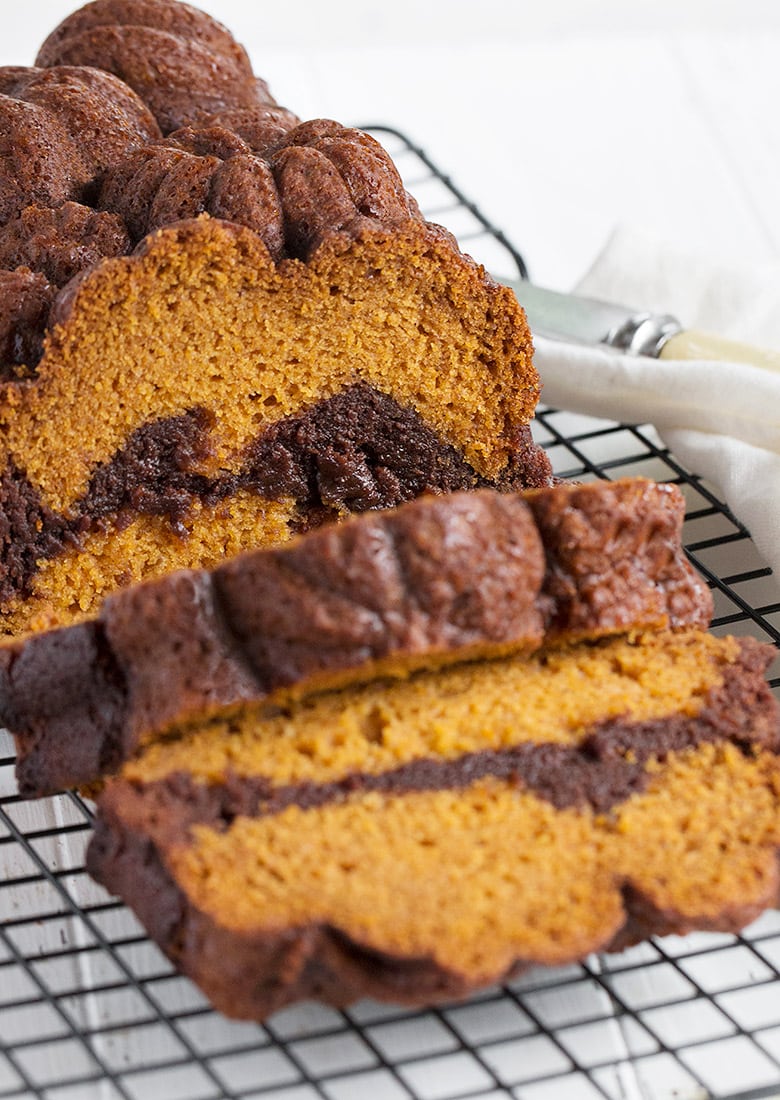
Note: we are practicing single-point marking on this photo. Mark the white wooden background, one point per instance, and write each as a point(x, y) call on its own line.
point(561, 118)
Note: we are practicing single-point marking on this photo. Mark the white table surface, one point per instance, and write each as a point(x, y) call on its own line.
point(561, 118)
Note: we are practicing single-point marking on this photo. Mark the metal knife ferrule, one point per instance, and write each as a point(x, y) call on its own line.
point(587, 321)
point(643, 333)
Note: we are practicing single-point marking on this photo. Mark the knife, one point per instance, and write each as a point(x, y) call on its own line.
point(579, 320)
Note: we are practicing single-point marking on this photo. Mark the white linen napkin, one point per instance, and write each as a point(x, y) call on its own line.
point(721, 420)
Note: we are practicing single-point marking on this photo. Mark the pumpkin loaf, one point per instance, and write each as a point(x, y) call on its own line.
point(417, 840)
point(436, 580)
point(220, 326)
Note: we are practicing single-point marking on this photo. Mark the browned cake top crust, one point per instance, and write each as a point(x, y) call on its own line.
point(438, 580)
point(27, 298)
point(313, 180)
point(178, 19)
point(199, 71)
point(60, 243)
point(261, 126)
point(61, 129)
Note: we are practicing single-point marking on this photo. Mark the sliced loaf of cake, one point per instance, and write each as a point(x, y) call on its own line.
point(438, 580)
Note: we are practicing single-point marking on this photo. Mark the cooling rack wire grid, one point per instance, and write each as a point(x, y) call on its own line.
point(90, 1009)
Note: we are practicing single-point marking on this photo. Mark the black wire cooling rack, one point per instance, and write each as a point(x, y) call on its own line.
point(90, 1009)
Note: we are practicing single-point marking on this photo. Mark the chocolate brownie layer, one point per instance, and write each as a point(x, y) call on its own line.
point(427, 879)
point(440, 579)
point(605, 768)
point(352, 452)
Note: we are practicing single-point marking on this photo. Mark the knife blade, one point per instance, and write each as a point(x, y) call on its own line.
point(576, 319)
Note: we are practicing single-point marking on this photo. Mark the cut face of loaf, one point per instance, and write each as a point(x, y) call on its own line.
point(438, 580)
point(417, 840)
point(295, 344)
point(197, 399)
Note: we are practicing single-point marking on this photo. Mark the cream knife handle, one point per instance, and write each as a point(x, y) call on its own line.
point(693, 344)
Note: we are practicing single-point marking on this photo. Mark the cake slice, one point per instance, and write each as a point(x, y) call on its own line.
point(417, 840)
point(436, 580)
point(220, 326)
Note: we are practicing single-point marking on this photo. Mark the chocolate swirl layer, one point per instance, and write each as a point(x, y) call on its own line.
point(356, 451)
